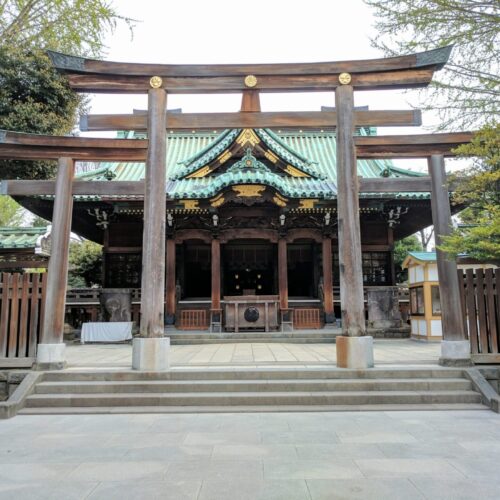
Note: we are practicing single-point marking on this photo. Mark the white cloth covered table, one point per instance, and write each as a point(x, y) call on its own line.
point(106, 332)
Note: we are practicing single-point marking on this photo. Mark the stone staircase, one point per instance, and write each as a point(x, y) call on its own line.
point(284, 389)
point(295, 337)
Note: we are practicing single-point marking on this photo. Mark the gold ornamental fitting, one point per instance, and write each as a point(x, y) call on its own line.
point(155, 82)
point(250, 81)
point(344, 78)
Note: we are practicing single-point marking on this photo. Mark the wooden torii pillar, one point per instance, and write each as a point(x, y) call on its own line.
point(14, 145)
point(354, 347)
point(150, 349)
point(455, 346)
point(51, 349)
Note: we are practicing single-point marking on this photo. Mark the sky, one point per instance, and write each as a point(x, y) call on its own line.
point(257, 31)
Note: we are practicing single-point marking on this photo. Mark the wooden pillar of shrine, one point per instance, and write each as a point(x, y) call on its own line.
point(50, 353)
point(150, 350)
point(455, 348)
point(283, 273)
point(170, 299)
point(215, 311)
point(215, 267)
point(354, 349)
point(328, 280)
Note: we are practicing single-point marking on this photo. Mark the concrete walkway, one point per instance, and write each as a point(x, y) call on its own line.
point(281, 456)
point(396, 352)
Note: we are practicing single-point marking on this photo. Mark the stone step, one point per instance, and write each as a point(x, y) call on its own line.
point(297, 385)
point(254, 340)
point(315, 334)
point(250, 373)
point(253, 398)
point(78, 410)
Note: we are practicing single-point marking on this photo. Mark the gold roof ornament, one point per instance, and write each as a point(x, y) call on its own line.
point(190, 204)
point(217, 201)
point(155, 82)
point(279, 200)
point(248, 190)
point(345, 78)
point(250, 81)
point(247, 136)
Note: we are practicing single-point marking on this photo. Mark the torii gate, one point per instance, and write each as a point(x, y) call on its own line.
point(150, 351)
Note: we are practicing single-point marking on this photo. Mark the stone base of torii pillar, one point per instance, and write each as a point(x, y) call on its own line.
point(354, 352)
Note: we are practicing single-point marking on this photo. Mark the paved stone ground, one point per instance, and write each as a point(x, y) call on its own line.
point(373, 455)
point(253, 354)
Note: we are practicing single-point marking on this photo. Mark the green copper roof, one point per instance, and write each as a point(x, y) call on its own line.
point(424, 256)
point(313, 152)
point(20, 237)
point(250, 171)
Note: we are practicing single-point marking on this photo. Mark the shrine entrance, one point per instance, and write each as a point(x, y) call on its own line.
point(194, 269)
point(303, 274)
point(249, 267)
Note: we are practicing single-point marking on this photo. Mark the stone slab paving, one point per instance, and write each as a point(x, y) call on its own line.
point(305, 456)
point(253, 354)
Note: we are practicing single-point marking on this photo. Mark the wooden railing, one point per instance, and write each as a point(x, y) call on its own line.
point(481, 303)
point(21, 313)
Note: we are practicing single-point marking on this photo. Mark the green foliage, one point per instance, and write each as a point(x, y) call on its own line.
point(479, 188)
point(11, 213)
point(402, 247)
point(466, 92)
point(85, 264)
point(39, 222)
point(33, 98)
point(71, 26)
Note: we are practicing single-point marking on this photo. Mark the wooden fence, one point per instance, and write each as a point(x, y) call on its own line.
point(21, 313)
point(304, 318)
point(481, 303)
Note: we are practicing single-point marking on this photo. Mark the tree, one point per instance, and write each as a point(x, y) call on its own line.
point(33, 96)
point(401, 249)
point(478, 187)
point(466, 92)
point(85, 264)
point(71, 26)
point(11, 213)
point(425, 236)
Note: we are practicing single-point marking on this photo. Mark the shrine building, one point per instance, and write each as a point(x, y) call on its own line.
point(234, 199)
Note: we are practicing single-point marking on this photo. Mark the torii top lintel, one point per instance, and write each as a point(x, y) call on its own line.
point(89, 75)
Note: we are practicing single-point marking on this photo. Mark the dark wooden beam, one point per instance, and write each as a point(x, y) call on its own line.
point(250, 119)
point(25, 264)
point(19, 146)
point(98, 188)
point(395, 185)
point(401, 79)
point(410, 146)
point(87, 75)
point(136, 188)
